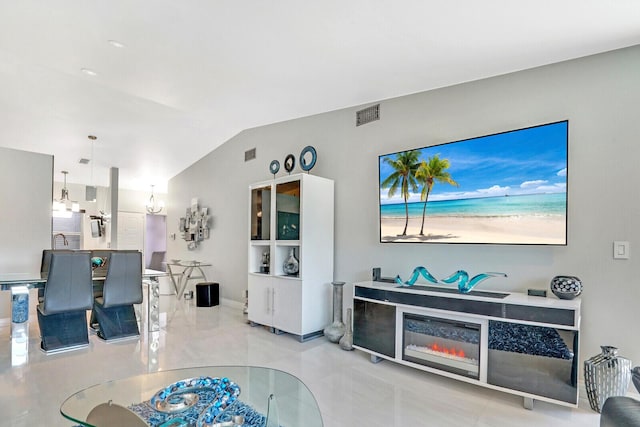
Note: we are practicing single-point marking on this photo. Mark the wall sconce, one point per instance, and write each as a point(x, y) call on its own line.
point(154, 207)
point(60, 207)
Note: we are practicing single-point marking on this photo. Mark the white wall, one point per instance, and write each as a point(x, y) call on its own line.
point(26, 182)
point(598, 95)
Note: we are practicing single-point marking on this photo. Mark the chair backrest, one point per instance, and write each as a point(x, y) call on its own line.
point(635, 375)
point(157, 261)
point(69, 286)
point(123, 284)
point(46, 258)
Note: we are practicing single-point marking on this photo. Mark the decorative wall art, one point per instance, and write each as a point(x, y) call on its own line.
point(274, 167)
point(307, 165)
point(308, 158)
point(195, 224)
point(289, 163)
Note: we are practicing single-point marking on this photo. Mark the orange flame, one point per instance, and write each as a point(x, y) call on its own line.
point(444, 350)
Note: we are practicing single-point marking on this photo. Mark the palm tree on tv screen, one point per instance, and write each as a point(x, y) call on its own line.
point(429, 172)
point(405, 166)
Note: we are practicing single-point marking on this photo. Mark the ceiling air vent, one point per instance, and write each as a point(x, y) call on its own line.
point(249, 154)
point(368, 115)
point(84, 161)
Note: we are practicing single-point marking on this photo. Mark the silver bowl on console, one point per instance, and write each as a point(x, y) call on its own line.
point(566, 287)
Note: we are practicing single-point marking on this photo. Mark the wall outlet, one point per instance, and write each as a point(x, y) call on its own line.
point(620, 249)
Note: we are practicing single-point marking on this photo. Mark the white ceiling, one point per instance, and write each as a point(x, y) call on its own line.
point(194, 73)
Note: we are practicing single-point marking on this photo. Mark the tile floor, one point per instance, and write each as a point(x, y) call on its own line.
point(350, 390)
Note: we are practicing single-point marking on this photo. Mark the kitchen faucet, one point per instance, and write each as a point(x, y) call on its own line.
point(65, 242)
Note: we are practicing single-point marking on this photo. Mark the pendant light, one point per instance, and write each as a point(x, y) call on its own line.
point(154, 207)
point(64, 207)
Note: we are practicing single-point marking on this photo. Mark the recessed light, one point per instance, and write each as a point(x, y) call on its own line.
point(89, 72)
point(115, 43)
point(92, 137)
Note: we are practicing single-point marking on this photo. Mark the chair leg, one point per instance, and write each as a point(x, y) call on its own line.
point(93, 322)
point(63, 331)
point(116, 322)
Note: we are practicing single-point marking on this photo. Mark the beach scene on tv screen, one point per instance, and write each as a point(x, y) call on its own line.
point(507, 188)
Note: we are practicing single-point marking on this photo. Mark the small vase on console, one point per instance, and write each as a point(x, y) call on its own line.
point(336, 330)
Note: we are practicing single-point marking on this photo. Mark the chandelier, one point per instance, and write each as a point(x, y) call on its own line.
point(64, 207)
point(154, 207)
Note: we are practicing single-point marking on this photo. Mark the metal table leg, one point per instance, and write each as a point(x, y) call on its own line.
point(153, 304)
point(174, 276)
point(186, 276)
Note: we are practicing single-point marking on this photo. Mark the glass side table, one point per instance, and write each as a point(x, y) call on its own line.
point(268, 398)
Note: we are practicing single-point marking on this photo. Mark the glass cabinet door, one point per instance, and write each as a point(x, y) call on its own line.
point(261, 213)
point(288, 211)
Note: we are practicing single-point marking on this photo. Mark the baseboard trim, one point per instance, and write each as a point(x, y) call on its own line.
point(231, 303)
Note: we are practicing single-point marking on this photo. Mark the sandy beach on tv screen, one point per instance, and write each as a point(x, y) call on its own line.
point(458, 229)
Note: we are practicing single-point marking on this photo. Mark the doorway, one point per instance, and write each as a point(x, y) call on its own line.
point(155, 242)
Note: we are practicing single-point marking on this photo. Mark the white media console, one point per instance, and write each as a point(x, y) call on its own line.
point(519, 344)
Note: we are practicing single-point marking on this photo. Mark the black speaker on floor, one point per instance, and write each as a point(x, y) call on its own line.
point(207, 294)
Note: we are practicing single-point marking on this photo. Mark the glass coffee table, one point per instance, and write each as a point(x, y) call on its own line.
point(209, 396)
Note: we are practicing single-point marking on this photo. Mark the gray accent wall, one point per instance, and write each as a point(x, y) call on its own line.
point(599, 95)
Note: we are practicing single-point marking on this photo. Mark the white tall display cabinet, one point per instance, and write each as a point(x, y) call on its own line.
point(291, 213)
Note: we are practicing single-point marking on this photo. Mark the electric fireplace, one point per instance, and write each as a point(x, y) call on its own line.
point(447, 344)
point(516, 343)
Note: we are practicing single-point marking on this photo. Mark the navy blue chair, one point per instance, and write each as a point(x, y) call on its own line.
point(113, 311)
point(68, 294)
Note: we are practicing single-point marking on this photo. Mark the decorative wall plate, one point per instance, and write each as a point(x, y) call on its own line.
point(304, 165)
point(274, 166)
point(289, 163)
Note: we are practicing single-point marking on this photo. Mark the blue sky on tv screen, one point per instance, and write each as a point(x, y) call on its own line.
point(519, 162)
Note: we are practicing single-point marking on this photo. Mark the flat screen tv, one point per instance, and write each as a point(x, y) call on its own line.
point(507, 188)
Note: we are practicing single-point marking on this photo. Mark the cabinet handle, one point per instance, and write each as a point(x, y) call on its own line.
point(273, 301)
point(268, 300)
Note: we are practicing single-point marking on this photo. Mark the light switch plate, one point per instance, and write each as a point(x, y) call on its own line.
point(620, 249)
